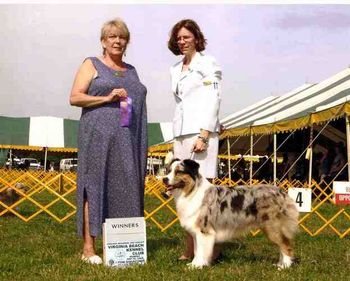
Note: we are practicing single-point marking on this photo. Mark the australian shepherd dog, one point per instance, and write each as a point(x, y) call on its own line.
point(214, 214)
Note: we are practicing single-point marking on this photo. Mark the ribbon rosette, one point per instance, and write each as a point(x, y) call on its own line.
point(125, 112)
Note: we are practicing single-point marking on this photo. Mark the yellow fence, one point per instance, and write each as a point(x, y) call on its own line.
point(27, 194)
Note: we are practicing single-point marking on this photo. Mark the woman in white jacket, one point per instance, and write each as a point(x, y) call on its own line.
point(196, 87)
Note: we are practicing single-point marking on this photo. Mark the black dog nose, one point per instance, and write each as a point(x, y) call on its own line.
point(165, 180)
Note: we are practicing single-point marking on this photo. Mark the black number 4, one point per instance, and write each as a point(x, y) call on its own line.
point(299, 199)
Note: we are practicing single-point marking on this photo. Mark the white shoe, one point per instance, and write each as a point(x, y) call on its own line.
point(92, 260)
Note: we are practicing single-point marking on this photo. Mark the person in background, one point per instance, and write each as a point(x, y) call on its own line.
point(325, 163)
point(112, 139)
point(196, 85)
point(337, 170)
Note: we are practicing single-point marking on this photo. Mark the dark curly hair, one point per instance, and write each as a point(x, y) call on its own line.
point(193, 27)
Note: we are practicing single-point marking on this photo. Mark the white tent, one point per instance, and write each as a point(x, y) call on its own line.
point(299, 105)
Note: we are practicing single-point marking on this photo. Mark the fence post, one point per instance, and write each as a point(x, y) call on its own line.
point(251, 158)
point(348, 143)
point(60, 184)
point(309, 154)
point(274, 158)
point(229, 157)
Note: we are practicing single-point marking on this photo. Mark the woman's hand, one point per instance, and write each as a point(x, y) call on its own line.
point(201, 142)
point(199, 145)
point(116, 95)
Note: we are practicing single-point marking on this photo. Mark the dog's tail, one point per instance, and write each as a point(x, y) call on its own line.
point(290, 220)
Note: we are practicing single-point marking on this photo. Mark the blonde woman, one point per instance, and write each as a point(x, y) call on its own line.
point(112, 139)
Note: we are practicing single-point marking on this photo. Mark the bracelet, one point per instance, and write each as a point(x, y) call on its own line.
point(204, 139)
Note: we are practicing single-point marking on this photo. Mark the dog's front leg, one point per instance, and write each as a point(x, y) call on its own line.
point(204, 245)
point(194, 245)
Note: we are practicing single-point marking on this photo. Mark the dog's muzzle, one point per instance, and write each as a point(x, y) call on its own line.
point(166, 183)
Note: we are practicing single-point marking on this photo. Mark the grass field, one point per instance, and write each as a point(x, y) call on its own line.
point(46, 250)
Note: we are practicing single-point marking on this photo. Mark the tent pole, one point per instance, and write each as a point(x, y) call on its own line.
point(274, 158)
point(151, 165)
point(348, 143)
point(251, 158)
point(309, 154)
point(11, 163)
point(45, 160)
point(229, 157)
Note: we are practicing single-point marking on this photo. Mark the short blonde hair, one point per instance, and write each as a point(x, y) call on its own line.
point(117, 23)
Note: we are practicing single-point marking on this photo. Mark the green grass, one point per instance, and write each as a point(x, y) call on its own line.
point(46, 250)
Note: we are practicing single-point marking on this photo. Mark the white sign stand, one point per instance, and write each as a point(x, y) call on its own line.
point(341, 192)
point(124, 241)
point(301, 198)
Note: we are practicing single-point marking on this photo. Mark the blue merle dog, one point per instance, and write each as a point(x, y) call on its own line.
point(214, 214)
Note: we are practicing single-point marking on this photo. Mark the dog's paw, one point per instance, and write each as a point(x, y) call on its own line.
point(197, 264)
point(281, 266)
point(192, 266)
point(284, 262)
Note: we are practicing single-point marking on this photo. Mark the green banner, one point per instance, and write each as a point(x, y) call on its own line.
point(14, 131)
point(71, 133)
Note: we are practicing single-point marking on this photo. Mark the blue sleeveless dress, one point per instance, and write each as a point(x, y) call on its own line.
point(112, 159)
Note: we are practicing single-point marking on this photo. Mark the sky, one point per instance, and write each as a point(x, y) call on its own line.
point(263, 50)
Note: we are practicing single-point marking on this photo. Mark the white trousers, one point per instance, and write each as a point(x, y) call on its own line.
point(207, 159)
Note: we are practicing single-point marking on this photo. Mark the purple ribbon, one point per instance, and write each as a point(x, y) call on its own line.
point(125, 112)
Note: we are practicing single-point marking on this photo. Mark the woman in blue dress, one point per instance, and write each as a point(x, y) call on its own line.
point(112, 140)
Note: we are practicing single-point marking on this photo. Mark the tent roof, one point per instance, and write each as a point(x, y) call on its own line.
point(286, 109)
point(261, 109)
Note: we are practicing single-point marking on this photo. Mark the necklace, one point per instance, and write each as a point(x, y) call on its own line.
point(119, 73)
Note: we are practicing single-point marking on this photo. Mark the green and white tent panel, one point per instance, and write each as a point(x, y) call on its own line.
point(159, 133)
point(34, 133)
point(58, 134)
point(260, 109)
point(246, 112)
point(299, 108)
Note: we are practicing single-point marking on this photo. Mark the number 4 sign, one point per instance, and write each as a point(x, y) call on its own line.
point(302, 198)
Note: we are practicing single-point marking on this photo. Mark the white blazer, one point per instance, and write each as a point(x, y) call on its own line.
point(197, 95)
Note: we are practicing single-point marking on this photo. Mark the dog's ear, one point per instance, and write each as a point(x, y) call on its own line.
point(168, 158)
point(168, 165)
point(191, 167)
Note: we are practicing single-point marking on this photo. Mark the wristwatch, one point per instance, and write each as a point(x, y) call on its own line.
point(204, 139)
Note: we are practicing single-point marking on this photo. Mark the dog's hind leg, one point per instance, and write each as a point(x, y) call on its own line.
point(275, 235)
point(204, 245)
point(287, 253)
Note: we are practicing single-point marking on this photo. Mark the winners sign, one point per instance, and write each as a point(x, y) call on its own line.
point(124, 241)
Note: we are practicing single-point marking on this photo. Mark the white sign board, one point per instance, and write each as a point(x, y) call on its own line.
point(341, 192)
point(124, 241)
point(301, 198)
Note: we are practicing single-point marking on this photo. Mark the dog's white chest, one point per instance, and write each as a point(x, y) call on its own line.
point(188, 208)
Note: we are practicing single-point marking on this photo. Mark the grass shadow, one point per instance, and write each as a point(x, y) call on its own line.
point(244, 253)
point(155, 245)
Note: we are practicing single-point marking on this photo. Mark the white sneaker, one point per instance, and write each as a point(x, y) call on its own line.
point(92, 260)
